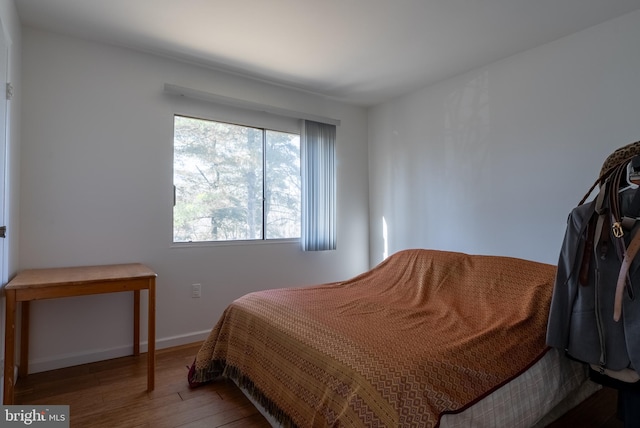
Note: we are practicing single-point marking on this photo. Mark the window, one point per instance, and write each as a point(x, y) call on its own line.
point(234, 182)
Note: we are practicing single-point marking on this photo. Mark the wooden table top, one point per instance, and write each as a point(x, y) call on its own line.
point(34, 278)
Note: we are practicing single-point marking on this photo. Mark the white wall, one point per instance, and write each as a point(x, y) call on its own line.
point(12, 29)
point(492, 161)
point(97, 189)
point(13, 34)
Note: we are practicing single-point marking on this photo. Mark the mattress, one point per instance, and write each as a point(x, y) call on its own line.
point(459, 341)
point(536, 398)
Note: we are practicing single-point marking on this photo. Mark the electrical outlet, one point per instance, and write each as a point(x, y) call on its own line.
point(195, 290)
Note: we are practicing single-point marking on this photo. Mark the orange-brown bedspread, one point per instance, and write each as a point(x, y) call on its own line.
point(423, 333)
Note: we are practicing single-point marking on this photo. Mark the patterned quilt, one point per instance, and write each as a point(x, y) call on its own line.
point(422, 334)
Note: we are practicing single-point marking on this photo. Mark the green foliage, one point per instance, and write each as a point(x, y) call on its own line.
point(219, 178)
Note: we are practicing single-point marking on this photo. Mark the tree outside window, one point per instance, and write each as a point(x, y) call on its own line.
point(234, 182)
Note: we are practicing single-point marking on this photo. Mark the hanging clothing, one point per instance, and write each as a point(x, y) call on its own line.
point(581, 320)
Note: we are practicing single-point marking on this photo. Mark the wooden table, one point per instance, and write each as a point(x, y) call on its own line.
point(36, 284)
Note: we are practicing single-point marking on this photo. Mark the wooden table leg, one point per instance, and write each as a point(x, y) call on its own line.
point(136, 322)
point(9, 345)
point(23, 369)
point(53, 283)
point(151, 352)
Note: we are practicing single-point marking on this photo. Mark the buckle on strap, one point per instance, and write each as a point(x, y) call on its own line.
point(617, 230)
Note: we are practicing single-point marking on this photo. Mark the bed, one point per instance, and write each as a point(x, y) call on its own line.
point(427, 338)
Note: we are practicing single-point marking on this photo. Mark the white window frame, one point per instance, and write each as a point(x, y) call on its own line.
point(209, 106)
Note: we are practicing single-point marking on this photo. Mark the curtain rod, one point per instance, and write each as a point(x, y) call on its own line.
point(249, 105)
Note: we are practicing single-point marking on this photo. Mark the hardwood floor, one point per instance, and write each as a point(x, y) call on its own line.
point(112, 394)
point(597, 411)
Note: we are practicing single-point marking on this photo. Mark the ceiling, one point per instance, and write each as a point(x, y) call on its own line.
point(357, 51)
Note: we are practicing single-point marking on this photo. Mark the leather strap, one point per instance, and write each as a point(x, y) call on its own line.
point(614, 200)
point(585, 264)
point(593, 237)
point(630, 254)
point(631, 214)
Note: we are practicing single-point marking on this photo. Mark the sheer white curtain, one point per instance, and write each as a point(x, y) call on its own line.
point(318, 186)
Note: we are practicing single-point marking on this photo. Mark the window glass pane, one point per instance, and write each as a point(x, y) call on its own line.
point(282, 193)
point(219, 181)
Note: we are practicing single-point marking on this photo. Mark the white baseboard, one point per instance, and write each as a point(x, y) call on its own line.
point(73, 359)
point(183, 339)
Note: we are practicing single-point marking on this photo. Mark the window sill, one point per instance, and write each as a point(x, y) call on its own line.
point(199, 244)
